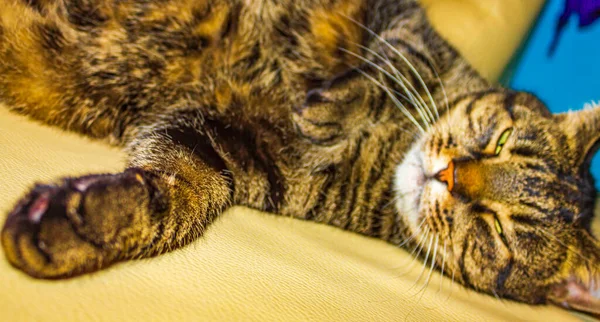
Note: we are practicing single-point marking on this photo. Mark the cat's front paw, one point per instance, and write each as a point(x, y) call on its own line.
point(78, 226)
point(332, 112)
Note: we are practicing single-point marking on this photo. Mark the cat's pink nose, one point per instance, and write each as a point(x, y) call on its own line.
point(447, 176)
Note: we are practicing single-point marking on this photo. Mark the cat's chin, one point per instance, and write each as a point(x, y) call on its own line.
point(409, 183)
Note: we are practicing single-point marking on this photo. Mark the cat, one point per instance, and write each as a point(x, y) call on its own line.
point(351, 113)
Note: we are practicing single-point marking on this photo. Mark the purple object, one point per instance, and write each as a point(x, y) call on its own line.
point(588, 11)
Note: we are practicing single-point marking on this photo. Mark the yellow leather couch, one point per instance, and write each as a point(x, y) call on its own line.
point(252, 266)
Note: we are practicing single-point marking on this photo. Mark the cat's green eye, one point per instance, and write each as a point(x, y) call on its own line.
point(498, 226)
point(500, 231)
point(502, 140)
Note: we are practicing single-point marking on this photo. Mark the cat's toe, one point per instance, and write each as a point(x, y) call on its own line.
point(317, 119)
point(330, 114)
point(20, 227)
point(25, 235)
point(80, 225)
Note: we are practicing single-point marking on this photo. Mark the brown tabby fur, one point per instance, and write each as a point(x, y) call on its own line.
point(257, 103)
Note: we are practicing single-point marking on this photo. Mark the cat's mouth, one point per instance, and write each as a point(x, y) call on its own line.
point(409, 184)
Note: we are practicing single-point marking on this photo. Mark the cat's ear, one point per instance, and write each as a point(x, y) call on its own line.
point(583, 132)
point(580, 288)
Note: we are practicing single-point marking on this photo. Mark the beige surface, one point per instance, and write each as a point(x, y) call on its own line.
point(487, 32)
point(249, 265)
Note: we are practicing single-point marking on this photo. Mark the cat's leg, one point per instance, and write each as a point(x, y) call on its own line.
point(60, 73)
point(164, 200)
point(103, 67)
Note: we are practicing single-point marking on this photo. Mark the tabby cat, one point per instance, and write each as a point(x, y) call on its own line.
point(353, 113)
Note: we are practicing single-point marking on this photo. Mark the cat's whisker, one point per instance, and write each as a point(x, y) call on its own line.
point(413, 133)
point(443, 89)
point(391, 89)
point(404, 81)
point(452, 257)
point(387, 89)
point(443, 266)
point(418, 243)
point(441, 84)
point(424, 287)
point(396, 101)
point(392, 201)
point(415, 98)
point(399, 76)
point(416, 73)
point(414, 256)
point(421, 243)
point(422, 110)
point(407, 192)
point(413, 235)
point(496, 295)
point(397, 52)
point(451, 286)
point(547, 233)
point(424, 262)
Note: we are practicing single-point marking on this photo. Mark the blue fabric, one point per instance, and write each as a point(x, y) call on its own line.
point(569, 76)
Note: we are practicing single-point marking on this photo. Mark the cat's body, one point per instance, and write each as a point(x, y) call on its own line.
point(258, 103)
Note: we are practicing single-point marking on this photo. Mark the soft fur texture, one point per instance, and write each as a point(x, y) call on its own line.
point(351, 113)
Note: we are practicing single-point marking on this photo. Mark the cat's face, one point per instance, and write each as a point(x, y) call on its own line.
point(503, 188)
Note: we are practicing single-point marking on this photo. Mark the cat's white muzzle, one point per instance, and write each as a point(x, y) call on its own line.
point(409, 183)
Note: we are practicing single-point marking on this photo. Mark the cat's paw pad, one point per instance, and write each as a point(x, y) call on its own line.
point(77, 226)
point(329, 113)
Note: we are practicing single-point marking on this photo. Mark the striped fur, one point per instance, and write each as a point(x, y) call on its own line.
point(339, 112)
